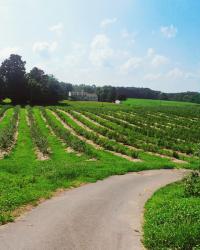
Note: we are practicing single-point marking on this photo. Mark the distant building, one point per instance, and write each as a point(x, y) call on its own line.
point(83, 96)
point(117, 101)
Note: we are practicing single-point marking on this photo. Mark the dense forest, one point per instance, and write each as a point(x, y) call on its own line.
point(36, 87)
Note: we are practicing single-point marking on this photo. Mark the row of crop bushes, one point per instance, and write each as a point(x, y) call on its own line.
point(70, 140)
point(175, 135)
point(163, 127)
point(127, 136)
point(3, 110)
point(104, 142)
point(156, 137)
point(37, 136)
point(8, 133)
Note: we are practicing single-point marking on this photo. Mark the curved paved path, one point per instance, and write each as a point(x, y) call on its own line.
point(105, 215)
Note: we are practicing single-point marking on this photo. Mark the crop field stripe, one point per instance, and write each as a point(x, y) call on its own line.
point(115, 136)
point(113, 125)
point(8, 133)
point(172, 131)
point(104, 122)
point(72, 127)
point(24, 148)
point(134, 141)
point(103, 153)
point(3, 111)
point(125, 128)
point(98, 129)
point(58, 150)
point(65, 134)
point(160, 125)
point(6, 118)
point(164, 147)
point(152, 120)
point(168, 127)
point(172, 143)
point(93, 138)
point(114, 147)
point(42, 150)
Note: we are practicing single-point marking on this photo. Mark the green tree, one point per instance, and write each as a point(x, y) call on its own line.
point(43, 89)
point(12, 72)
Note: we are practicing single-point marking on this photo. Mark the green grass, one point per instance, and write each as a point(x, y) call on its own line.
point(24, 179)
point(87, 104)
point(151, 103)
point(6, 119)
point(172, 219)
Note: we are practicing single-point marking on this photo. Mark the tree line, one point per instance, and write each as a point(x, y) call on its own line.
point(36, 87)
point(109, 93)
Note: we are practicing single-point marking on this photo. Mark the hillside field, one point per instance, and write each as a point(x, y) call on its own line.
point(44, 149)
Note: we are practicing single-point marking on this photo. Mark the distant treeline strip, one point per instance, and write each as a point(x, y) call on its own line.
point(36, 87)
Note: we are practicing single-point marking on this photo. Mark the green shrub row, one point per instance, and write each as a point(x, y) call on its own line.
point(71, 140)
point(170, 138)
point(104, 142)
point(3, 109)
point(37, 136)
point(125, 135)
point(158, 139)
point(7, 134)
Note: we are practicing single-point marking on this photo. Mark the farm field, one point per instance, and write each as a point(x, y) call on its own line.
point(44, 149)
point(149, 102)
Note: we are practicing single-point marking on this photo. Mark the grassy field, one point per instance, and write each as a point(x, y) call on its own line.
point(172, 217)
point(149, 103)
point(43, 149)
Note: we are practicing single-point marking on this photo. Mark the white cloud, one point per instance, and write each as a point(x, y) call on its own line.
point(150, 52)
point(176, 73)
point(152, 77)
point(147, 61)
point(57, 28)
point(192, 75)
point(159, 60)
point(156, 60)
point(7, 51)
point(100, 50)
point(44, 49)
point(72, 60)
point(78, 46)
point(129, 36)
point(169, 31)
point(131, 64)
point(76, 58)
point(106, 22)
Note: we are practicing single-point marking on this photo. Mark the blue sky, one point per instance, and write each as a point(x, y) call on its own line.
point(144, 43)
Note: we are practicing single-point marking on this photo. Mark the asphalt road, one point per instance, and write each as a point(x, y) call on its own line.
point(106, 215)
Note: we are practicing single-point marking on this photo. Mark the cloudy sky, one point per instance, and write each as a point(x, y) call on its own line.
point(144, 43)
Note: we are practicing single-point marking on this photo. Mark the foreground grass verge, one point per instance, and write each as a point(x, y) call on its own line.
point(172, 219)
